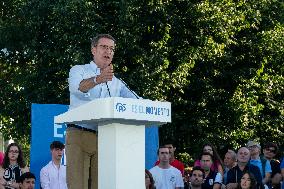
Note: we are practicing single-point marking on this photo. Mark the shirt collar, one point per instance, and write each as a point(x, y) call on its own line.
point(95, 68)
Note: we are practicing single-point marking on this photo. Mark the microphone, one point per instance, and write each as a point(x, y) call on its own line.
point(127, 87)
point(108, 90)
point(107, 85)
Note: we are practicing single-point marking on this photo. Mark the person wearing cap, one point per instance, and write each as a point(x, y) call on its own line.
point(53, 175)
point(270, 150)
point(263, 165)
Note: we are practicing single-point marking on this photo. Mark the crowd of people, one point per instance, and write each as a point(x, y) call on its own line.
point(244, 169)
point(15, 174)
point(247, 168)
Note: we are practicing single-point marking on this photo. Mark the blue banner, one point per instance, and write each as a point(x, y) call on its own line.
point(44, 132)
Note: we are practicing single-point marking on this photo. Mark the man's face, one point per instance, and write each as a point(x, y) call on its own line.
point(206, 162)
point(228, 160)
point(164, 155)
point(171, 149)
point(243, 155)
point(56, 153)
point(103, 52)
point(254, 150)
point(29, 183)
point(196, 178)
point(269, 152)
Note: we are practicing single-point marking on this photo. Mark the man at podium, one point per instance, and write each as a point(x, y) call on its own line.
point(86, 83)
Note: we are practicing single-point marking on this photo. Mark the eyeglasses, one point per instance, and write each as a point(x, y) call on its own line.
point(106, 48)
point(14, 151)
point(254, 146)
point(271, 150)
point(207, 150)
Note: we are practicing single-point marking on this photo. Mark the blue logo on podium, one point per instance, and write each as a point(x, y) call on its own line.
point(120, 107)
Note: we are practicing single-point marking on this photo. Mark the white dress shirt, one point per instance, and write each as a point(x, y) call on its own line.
point(52, 177)
point(113, 88)
point(80, 72)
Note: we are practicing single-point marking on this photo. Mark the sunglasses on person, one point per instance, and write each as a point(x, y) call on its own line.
point(271, 150)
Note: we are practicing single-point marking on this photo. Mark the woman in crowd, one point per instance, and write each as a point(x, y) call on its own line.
point(217, 161)
point(13, 167)
point(149, 181)
point(247, 181)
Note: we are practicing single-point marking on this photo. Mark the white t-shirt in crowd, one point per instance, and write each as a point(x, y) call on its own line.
point(167, 178)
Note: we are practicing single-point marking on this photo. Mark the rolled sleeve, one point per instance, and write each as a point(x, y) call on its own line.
point(76, 75)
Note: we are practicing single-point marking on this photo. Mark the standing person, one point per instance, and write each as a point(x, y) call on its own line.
point(247, 181)
point(217, 161)
point(213, 179)
point(229, 162)
point(196, 178)
point(270, 150)
point(53, 175)
point(263, 164)
point(173, 161)
point(165, 175)
point(27, 181)
point(86, 83)
point(235, 174)
point(13, 167)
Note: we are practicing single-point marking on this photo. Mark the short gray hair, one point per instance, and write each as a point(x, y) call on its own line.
point(95, 40)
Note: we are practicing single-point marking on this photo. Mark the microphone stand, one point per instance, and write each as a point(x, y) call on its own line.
point(127, 87)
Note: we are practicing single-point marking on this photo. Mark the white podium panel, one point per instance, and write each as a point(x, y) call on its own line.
point(121, 156)
point(121, 136)
point(121, 110)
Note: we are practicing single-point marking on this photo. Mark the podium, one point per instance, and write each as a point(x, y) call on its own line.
point(121, 136)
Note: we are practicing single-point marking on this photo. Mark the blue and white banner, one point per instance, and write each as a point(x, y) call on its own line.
point(44, 132)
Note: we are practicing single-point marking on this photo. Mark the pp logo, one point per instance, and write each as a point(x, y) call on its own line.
point(120, 107)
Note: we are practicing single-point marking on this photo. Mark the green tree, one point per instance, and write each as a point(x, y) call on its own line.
point(220, 62)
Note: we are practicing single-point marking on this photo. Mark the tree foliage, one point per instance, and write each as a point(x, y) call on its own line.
point(220, 62)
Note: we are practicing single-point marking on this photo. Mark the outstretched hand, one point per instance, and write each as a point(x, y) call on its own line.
point(106, 74)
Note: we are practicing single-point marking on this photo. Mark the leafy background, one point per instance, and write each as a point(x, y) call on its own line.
point(219, 62)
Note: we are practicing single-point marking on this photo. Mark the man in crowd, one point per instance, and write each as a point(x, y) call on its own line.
point(173, 161)
point(86, 83)
point(27, 181)
point(262, 164)
point(196, 178)
point(165, 175)
point(53, 175)
point(213, 179)
point(270, 150)
point(229, 162)
point(235, 174)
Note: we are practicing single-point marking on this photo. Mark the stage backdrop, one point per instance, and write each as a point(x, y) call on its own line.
point(44, 131)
